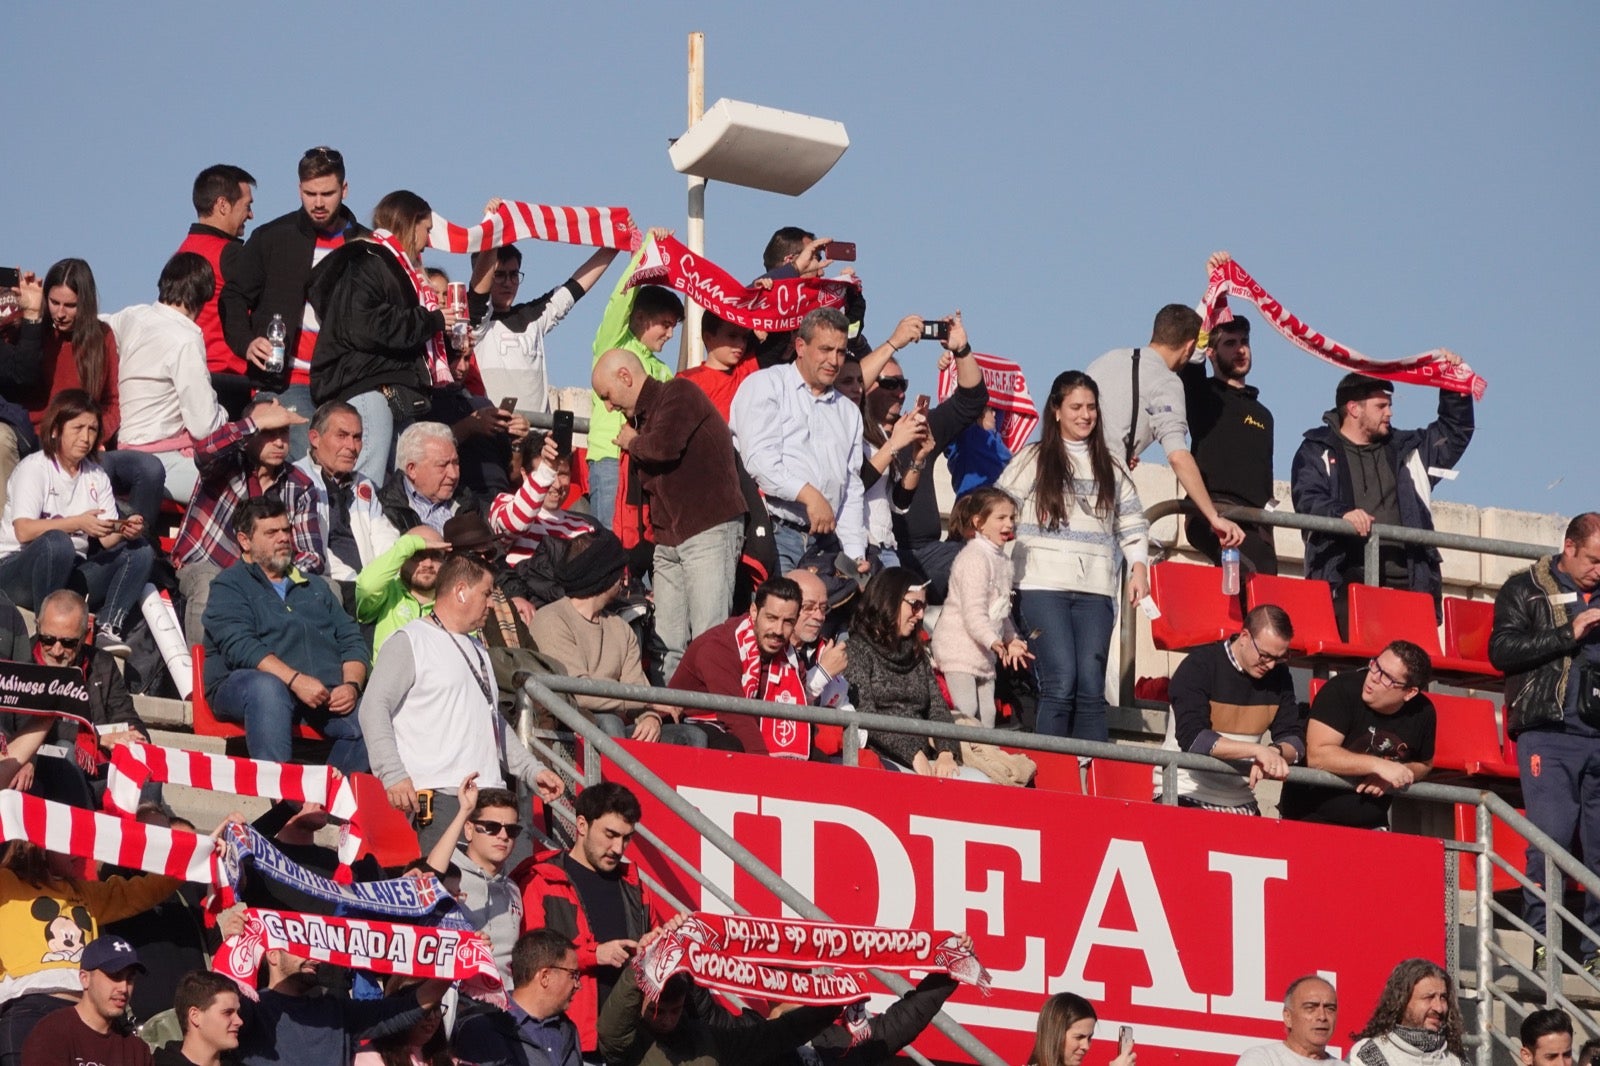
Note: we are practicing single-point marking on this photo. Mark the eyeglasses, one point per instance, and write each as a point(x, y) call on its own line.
point(814, 607)
point(917, 606)
point(1266, 660)
point(69, 643)
point(493, 829)
point(1386, 679)
point(571, 971)
point(893, 384)
point(509, 275)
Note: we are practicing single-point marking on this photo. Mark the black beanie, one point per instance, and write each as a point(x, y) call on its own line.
point(595, 569)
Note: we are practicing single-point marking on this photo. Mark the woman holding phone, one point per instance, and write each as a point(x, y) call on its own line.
point(1065, 1031)
point(1080, 518)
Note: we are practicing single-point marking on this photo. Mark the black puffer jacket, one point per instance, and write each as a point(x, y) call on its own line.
point(374, 329)
point(1535, 654)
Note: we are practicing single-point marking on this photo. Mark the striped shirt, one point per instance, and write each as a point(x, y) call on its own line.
point(522, 522)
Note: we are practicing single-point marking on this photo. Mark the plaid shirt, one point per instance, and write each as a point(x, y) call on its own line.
point(226, 480)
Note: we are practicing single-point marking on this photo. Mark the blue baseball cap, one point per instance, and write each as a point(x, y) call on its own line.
point(110, 954)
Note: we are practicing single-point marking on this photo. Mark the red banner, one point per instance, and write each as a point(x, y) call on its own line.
point(1186, 925)
point(777, 309)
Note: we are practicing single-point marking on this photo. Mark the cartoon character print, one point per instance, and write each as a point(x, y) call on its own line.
point(1385, 745)
point(65, 931)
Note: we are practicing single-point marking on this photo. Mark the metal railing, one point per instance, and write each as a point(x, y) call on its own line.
point(548, 690)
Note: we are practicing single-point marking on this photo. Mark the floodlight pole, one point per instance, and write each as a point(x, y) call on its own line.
point(691, 352)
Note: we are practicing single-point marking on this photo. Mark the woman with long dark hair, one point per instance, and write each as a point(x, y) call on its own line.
point(382, 345)
point(889, 673)
point(61, 528)
point(1065, 1031)
point(1080, 518)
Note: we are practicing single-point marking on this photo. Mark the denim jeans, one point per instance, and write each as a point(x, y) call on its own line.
point(112, 580)
point(297, 398)
point(139, 478)
point(684, 736)
point(694, 586)
point(792, 545)
point(603, 482)
point(268, 711)
point(378, 433)
point(1563, 798)
point(1070, 660)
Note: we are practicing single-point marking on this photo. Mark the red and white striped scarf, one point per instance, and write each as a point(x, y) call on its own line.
point(514, 220)
point(135, 764)
point(778, 680)
point(1008, 394)
point(108, 838)
point(438, 348)
point(1429, 368)
point(382, 947)
point(776, 310)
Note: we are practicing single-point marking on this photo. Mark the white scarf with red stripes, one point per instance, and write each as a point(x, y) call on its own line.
point(1008, 394)
point(515, 220)
point(777, 680)
point(108, 838)
point(438, 348)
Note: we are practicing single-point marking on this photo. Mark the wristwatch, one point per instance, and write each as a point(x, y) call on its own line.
point(965, 350)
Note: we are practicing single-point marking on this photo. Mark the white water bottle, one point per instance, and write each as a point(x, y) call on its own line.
point(162, 619)
point(1230, 571)
point(277, 333)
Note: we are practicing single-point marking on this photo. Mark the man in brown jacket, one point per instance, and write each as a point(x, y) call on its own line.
point(681, 452)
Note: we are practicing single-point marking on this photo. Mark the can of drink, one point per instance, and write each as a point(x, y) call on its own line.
point(455, 298)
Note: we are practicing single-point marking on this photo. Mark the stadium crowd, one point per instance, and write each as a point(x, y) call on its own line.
point(371, 547)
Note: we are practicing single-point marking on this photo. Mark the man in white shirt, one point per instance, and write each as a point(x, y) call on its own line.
point(431, 727)
point(1310, 1011)
point(801, 441)
point(354, 530)
point(167, 400)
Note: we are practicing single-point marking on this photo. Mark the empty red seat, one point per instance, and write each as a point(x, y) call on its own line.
point(1379, 615)
point(1467, 737)
point(207, 724)
point(1194, 609)
point(1506, 843)
point(1467, 626)
point(1121, 780)
point(1056, 772)
point(1310, 606)
point(386, 833)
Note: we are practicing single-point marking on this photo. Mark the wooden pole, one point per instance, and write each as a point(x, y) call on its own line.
point(691, 352)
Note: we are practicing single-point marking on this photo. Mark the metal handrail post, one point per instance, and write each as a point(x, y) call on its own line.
point(1552, 927)
point(724, 842)
point(1371, 562)
point(1483, 896)
point(851, 752)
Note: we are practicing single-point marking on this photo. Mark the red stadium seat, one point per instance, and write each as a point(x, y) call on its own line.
point(1507, 844)
point(386, 833)
point(1467, 625)
point(1110, 779)
point(1310, 606)
point(1468, 738)
point(207, 724)
point(1194, 609)
point(1056, 772)
point(1379, 615)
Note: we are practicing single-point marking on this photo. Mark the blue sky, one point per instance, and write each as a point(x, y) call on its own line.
point(1400, 175)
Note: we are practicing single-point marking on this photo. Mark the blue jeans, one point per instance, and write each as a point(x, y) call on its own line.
point(1070, 660)
point(603, 482)
point(694, 586)
point(268, 711)
point(112, 580)
point(1562, 799)
point(792, 546)
point(140, 478)
point(297, 398)
point(378, 432)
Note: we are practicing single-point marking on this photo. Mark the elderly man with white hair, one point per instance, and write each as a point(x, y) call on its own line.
point(426, 487)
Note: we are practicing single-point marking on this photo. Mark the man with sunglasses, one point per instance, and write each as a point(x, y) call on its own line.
point(1224, 697)
point(1374, 726)
point(487, 828)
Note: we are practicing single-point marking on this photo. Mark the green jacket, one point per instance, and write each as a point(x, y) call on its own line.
point(615, 332)
point(381, 596)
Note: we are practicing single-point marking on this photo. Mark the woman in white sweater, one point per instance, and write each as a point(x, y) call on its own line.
point(1080, 518)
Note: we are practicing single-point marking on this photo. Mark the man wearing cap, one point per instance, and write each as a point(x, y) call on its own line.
point(93, 1030)
point(431, 716)
point(1356, 467)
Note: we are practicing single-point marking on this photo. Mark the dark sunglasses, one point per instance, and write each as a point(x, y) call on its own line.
point(893, 384)
point(69, 643)
point(511, 829)
point(326, 154)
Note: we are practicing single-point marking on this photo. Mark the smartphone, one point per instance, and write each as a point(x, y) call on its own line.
point(845, 250)
point(508, 404)
point(935, 329)
point(921, 405)
point(845, 566)
point(1124, 1039)
point(562, 431)
point(11, 277)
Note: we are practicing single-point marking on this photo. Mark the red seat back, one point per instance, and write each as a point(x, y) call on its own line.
point(386, 833)
point(1379, 615)
point(1309, 603)
point(1056, 772)
point(1467, 737)
point(1467, 625)
point(207, 724)
point(1194, 610)
point(1121, 780)
point(1507, 844)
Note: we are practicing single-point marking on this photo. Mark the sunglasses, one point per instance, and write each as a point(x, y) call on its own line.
point(511, 829)
point(915, 605)
point(893, 384)
point(69, 643)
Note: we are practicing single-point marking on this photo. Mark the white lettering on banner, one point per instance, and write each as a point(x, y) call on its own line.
point(897, 885)
point(1249, 873)
point(721, 808)
point(1127, 862)
point(953, 901)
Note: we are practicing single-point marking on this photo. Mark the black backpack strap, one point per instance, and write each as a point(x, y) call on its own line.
point(1133, 421)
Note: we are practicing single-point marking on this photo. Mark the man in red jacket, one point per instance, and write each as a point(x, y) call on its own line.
point(223, 196)
point(594, 898)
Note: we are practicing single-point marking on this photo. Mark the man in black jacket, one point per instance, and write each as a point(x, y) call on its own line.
point(268, 275)
point(426, 487)
point(1546, 639)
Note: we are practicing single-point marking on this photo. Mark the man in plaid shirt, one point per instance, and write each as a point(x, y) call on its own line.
point(242, 460)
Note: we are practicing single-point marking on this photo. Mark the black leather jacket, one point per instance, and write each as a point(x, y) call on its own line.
point(1535, 655)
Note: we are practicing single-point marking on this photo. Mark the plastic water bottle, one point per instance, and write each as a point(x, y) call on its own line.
point(277, 333)
point(1230, 571)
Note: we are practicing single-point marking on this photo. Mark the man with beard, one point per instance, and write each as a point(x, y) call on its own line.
point(398, 586)
point(1416, 1020)
point(279, 647)
point(93, 1031)
point(751, 656)
point(1310, 1011)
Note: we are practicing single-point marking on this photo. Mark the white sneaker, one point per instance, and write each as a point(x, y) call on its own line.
point(110, 641)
